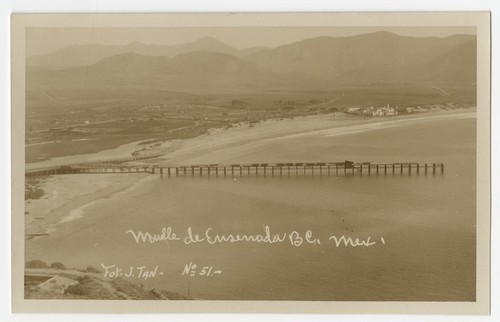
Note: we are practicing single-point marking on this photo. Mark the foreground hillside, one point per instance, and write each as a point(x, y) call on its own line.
point(57, 282)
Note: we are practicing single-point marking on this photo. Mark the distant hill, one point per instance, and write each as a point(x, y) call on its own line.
point(194, 72)
point(452, 65)
point(251, 50)
point(192, 63)
point(318, 63)
point(373, 57)
point(82, 55)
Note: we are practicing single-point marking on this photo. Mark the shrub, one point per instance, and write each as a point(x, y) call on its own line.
point(92, 269)
point(36, 263)
point(33, 193)
point(57, 265)
point(77, 289)
point(84, 279)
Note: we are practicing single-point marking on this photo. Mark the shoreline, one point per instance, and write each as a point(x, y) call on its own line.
point(71, 194)
point(66, 195)
point(230, 145)
point(172, 152)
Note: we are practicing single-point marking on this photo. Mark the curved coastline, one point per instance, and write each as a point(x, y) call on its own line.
point(179, 150)
point(221, 144)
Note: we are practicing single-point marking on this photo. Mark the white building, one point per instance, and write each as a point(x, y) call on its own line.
point(391, 112)
point(353, 109)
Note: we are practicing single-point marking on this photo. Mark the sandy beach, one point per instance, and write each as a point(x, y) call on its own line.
point(65, 198)
point(237, 144)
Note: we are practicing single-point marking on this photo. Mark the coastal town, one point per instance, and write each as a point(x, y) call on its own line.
point(387, 110)
point(171, 118)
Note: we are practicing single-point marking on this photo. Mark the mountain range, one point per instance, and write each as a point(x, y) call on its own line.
point(82, 55)
point(379, 57)
point(376, 57)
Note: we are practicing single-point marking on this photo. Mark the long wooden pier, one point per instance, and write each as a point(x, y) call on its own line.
point(258, 169)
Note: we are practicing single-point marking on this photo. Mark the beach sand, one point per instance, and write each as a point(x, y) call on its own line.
point(239, 144)
point(236, 143)
point(66, 197)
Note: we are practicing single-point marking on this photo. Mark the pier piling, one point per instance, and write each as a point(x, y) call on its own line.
point(310, 168)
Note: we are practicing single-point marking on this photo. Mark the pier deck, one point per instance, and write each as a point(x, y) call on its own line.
point(258, 169)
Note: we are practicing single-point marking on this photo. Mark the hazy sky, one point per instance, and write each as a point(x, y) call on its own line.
point(45, 40)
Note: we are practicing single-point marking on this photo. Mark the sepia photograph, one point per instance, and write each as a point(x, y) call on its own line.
point(247, 162)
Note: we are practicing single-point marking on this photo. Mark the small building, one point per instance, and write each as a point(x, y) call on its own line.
point(391, 112)
point(368, 110)
point(378, 112)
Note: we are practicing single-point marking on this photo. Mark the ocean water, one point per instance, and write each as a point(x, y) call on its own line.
point(423, 225)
